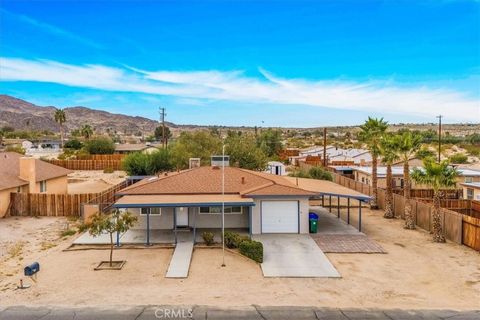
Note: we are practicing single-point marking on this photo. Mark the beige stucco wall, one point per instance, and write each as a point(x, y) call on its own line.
point(56, 185)
point(256, 213)
point(476, 192)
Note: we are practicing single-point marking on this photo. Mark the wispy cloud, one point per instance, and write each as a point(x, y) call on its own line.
point(51, 29)
point(235, 86)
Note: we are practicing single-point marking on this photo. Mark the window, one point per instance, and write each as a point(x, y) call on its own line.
point(153, 211)
point(469, 194)
point(43, 186)
point(468, 179)
point(363, 179)
point(19, 189)
point(218, 210)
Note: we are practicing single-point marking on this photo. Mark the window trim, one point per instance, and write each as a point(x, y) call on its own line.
point(220, 212)
point(150, 211)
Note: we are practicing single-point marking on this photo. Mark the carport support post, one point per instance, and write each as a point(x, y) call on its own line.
point(323, 200)
point(330, 203)
point(348, 210)
point(360, 215)
point(195, 225)
point(338, 207)
point(250, 222)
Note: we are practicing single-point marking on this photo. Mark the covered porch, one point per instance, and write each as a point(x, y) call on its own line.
point(180, 218)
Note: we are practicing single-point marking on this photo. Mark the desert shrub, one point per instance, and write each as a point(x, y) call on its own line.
point(302, 173)
point(233, 240)
point(73, 144)
point(100, 145)
point(108, 170)
point(142, 164)
point(424, 153)
point(207, 238)
point(252, 249)
point(15, 149)
point(473, 150)
point(320, 174)
point(68, 233)
point(458, 158)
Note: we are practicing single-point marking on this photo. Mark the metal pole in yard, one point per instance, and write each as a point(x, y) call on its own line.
point(223, 206)
point(330, 203)
point(338, 207)
point(348, 210)
point(360, 215)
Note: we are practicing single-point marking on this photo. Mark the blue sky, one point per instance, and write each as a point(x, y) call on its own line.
point(286, 63)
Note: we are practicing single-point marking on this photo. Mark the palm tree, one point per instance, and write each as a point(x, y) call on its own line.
point(388, 151)
point(408, 144)
point(371, 133)
point(86, 131)
point(60, 118)
point(437, 176)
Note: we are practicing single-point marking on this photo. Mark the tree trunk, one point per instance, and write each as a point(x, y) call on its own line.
point(374, 201)
point(389, 195)
point(437, 224)
point(111, 249)
point(61, 135)
point(407, 187)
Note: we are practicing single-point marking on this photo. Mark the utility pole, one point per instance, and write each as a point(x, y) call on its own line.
point(162, 120)
point(325, 147)
point(439, 136)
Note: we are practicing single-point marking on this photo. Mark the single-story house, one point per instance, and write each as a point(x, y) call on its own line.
point(29, 175)
point(126, 148)
point(364, 175)
point(471, 190)
point(276, 168)
point(256, 202)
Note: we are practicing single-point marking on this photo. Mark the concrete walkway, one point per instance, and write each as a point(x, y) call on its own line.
point(294, 255)
point(180, 263)
point(241, 313)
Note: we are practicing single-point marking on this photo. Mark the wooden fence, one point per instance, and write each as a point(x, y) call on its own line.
point(100, 157)
point(428, 193)
point(89, 164)
point(44, 204)
point(452, 222)
point(471, 232)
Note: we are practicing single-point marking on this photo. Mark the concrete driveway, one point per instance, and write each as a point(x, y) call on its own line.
point(294, 255)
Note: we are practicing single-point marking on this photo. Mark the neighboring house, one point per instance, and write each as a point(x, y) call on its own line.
point(254, 201)
point(354, 156)
point(276, 168)
point(364, 175)
point(471, 190)
point(126, 148)
point(25, 174)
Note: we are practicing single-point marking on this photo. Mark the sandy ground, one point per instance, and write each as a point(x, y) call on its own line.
point(91, 181)
point(416, 273)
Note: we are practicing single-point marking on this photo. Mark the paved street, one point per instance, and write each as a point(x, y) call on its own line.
point(200, 312)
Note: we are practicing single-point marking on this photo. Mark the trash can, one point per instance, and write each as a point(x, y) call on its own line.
point(313, 219)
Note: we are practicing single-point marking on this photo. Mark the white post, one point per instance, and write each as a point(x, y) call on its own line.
point(223, 206)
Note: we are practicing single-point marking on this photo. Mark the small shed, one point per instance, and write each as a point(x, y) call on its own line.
point(276, 168)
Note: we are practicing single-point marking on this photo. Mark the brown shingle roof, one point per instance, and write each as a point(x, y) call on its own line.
point(10, 170)
point(208, 180)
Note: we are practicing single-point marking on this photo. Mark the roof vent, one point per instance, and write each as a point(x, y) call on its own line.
point(243, 180)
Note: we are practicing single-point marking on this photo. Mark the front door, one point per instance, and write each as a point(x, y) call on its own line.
point(182, 217)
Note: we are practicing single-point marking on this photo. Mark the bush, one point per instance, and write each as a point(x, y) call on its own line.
point(73, 144)
point(252, 249)
point(458, 158)
point(108, 170)
point(100, 145)
point(233, 240)
point(142, 164)
point(207, 238)
point(15, 149)
point(424, 153)
point(320, 174)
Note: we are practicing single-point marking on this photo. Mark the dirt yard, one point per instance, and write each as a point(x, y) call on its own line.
point(91, 181)
point(416, 273)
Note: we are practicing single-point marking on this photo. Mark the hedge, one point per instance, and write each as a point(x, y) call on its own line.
point(252, 249)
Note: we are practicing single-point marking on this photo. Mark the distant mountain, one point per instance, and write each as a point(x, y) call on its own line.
point(23, 115)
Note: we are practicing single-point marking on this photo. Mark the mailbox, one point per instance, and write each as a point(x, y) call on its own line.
point(30, 270)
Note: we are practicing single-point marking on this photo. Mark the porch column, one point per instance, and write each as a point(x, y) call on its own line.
point(194, 225)
point(250, 222)
point(348, 210)
point(175, 223)
point(338, 207)
point(148, 227)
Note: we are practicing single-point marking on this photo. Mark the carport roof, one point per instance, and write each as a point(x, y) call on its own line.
point(324, 187)
point(196, 200)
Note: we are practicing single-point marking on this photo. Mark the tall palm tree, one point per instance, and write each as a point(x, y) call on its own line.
point(408, 144)
point(389, 154)
point(86, 131)
point(371, 134)
point(60, 118)
point(437, 176)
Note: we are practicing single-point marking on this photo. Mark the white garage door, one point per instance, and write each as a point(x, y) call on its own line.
point(279, 216)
